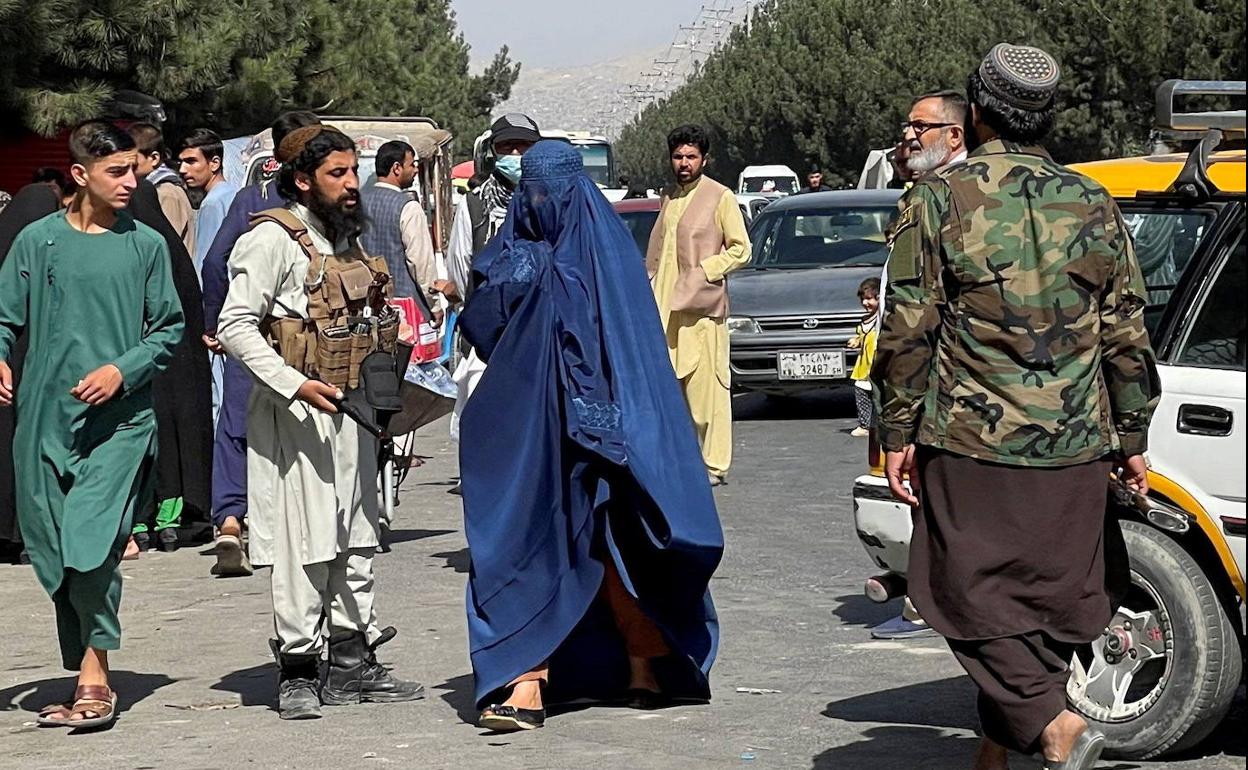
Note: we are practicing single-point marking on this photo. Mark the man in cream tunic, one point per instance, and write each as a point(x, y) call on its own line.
point(699, 238)
point(313, 497)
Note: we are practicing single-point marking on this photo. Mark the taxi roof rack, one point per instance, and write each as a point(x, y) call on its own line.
point(1229, 121)
point(1211, 128)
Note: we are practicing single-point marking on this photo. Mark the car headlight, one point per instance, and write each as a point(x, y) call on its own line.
point(742, 325)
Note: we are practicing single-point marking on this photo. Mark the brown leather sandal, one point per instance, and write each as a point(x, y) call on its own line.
point(54, 715)
point(95, 706)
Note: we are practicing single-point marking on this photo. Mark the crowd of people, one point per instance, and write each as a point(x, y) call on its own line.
point(1003, 350)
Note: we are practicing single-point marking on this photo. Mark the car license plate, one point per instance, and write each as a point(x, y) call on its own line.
point(814, 365)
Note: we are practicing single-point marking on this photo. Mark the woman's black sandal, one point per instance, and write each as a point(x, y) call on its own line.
point(646, 700)
point(509, 719)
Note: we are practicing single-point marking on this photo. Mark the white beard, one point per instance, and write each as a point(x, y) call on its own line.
point(929, 158)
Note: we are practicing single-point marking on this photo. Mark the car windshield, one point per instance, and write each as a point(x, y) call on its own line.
point(597, 159)
point(640, 223)
point(826, 237)
point(1164, 244)
point(770, 184)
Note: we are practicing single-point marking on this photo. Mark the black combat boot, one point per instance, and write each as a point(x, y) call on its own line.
point(355, 676)
point(297, 683)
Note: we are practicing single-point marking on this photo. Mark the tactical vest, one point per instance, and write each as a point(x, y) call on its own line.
point(348, 313)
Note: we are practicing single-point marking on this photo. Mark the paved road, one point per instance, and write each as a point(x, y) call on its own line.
point(197, 681)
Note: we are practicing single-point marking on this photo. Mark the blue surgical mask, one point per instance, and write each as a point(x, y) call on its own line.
point(509, 167)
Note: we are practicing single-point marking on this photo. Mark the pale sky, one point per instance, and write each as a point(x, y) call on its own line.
point(566, 33)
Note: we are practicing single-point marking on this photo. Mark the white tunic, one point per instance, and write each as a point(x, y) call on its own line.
point(312, 488)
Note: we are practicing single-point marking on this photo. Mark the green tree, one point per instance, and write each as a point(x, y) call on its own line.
point(379, 57)
point(232, 64)
point(66, 58)
point(1114, 53)
point(826, 81)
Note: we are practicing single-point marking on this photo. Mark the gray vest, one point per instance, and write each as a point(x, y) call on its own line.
point(382, 236)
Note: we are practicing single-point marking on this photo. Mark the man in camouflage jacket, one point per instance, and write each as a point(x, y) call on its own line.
point(1013, 354)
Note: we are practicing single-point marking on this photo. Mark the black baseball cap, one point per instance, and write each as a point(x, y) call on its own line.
point(515, 127)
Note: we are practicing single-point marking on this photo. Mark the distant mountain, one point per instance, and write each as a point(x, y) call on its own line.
point(581, 98)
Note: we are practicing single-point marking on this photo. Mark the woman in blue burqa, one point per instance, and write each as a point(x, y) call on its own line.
point(589, 517)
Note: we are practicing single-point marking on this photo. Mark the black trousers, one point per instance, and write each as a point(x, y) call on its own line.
point(1015, 566)
point(1022, 685)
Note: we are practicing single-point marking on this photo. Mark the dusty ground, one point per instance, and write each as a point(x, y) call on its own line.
point(197, 681)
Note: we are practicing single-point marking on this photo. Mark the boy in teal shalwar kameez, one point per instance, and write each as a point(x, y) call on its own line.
point(94, 292)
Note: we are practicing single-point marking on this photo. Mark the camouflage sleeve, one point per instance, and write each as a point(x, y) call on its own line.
point(1127, 360)
point(906, 346)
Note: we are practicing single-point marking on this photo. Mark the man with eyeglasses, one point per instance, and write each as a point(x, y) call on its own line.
point(932, 137)
point(935, 131)
point(1013, 371)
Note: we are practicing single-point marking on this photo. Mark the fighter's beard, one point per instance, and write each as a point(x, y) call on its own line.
point(340, 222)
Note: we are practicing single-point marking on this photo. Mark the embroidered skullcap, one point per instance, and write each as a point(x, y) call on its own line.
point(1020, 75)
point(296, 141)
point(550, 159)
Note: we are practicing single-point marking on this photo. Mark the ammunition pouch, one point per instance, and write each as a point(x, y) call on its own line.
point(349, 317)
point(287, 337)
point(388, 332)
point(334, 352)
point(333, 356)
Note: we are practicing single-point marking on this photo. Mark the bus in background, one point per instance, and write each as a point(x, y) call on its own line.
point(596, 152)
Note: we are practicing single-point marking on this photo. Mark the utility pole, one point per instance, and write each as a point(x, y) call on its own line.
point(689, 48)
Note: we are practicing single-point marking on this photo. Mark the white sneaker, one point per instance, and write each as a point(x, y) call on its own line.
point(231, 558)
point(860, 432)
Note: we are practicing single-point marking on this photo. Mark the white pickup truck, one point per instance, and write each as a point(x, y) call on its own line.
point(775, 181)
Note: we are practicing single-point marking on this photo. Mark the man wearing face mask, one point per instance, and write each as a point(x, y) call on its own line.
point(478, 217)
point(480, 213)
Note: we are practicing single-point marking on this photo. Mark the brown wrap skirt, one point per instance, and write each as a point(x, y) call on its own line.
point(1002, 550)
point(1016, 567)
